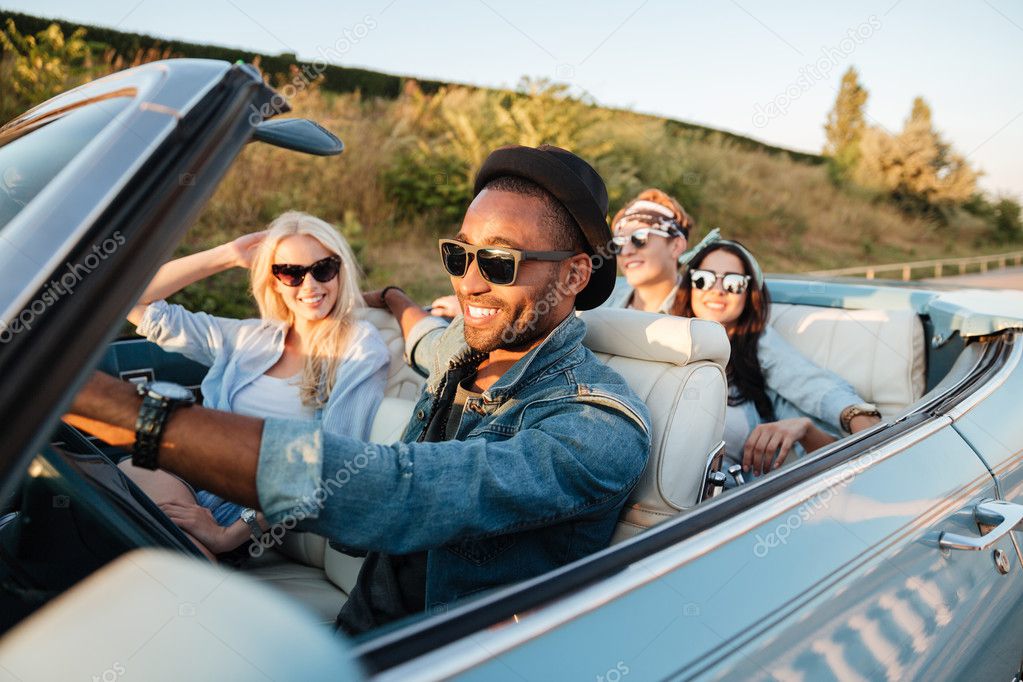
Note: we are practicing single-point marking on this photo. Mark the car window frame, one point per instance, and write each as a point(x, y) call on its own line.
point(152, 210)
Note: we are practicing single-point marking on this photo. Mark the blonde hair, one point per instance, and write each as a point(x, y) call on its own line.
point(331, 336)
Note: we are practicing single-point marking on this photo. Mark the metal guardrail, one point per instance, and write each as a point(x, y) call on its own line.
point(939, 266)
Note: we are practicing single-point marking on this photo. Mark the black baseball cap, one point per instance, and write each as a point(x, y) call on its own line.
point(578, 188)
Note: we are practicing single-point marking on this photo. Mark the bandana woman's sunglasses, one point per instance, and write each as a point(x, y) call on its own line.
point(498, 264)
point(639, 238)
point(731, 282)
point(293, 275)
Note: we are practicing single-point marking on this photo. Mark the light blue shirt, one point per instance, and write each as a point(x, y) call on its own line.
point(237, 352)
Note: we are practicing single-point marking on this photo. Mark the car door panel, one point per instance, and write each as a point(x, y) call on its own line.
point(841, 578)
point(992, 424)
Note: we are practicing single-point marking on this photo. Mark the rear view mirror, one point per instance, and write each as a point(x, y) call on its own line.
point(300, 135)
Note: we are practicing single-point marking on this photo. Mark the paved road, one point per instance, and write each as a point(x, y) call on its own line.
point(1009, 278)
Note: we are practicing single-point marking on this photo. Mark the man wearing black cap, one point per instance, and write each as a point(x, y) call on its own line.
point(522, 448)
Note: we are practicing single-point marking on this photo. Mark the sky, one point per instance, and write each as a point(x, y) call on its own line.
point(768, 70)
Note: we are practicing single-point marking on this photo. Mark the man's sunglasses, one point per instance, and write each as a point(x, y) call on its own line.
point(293, 275)
point(731, 282)
point(498, 264)
point(639, 238)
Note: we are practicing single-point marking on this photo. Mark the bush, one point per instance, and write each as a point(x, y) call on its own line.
point(436, 187)
point(34, 68)
point(1007, 224)
point(1002, 217)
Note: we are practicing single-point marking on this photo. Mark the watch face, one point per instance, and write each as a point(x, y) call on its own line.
point(168, 390)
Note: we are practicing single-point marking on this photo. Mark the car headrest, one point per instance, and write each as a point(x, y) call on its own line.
point(655, 337)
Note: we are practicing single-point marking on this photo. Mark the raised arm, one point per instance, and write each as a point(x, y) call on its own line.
point(180, 272)
point(404, 309)
point(416, 324)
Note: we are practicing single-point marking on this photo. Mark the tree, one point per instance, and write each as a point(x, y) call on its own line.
point(919, 168)
point(845, 125)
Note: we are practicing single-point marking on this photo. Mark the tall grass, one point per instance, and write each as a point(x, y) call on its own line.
point(405, 178)
point(407, 173)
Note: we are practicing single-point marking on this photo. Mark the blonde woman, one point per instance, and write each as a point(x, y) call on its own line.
point(307, 357)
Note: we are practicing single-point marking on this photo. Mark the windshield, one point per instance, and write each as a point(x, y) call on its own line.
point(28, 162)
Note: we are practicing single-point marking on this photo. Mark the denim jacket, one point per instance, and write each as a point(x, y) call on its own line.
point(542, 465)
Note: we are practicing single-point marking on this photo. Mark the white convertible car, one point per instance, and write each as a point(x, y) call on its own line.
point(891, 554)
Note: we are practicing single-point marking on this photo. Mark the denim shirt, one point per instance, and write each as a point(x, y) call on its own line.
point(542, 465)
point(237, 352)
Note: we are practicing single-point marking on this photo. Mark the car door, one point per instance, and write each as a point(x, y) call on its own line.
point(831, 570)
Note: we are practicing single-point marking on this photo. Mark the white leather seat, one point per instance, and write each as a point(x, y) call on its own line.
point(676, 365)
point(402, 381)
point(879, 352)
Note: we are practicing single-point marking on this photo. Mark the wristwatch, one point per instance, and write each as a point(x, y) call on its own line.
point(159, 398)
point(249, 517)
point(853, 411)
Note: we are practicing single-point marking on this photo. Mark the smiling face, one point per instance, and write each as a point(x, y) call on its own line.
point(508, 317)
point(312, 300)
point(717, 304)
point(654, 263)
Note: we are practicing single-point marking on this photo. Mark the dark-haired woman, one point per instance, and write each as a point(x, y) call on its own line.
point(779, 401)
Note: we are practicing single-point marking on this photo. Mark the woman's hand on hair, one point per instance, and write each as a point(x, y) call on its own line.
point(769, 444)
point(243, 249)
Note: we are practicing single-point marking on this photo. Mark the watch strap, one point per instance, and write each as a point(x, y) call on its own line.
point(249, 517)
point(149, 425)
point(853, 411)
point(153, 414)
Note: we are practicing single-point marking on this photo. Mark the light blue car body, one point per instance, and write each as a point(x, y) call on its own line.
point(841, 576)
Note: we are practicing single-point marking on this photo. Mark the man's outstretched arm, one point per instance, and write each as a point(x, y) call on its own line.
point(213, 450)
point(405, 310)
point(416, 324)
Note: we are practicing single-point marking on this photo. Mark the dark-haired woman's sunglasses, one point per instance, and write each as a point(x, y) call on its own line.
point(293, 275)
point(731, 282)
point(639, 238)
point(498, 264)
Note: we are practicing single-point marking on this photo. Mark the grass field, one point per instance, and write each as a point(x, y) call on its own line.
point(788, 211)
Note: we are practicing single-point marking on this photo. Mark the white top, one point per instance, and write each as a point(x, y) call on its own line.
point(270, 396)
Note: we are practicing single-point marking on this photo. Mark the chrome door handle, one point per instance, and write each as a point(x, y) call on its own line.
point(1004, 516)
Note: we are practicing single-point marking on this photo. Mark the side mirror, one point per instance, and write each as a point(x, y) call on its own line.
point(300, 135)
